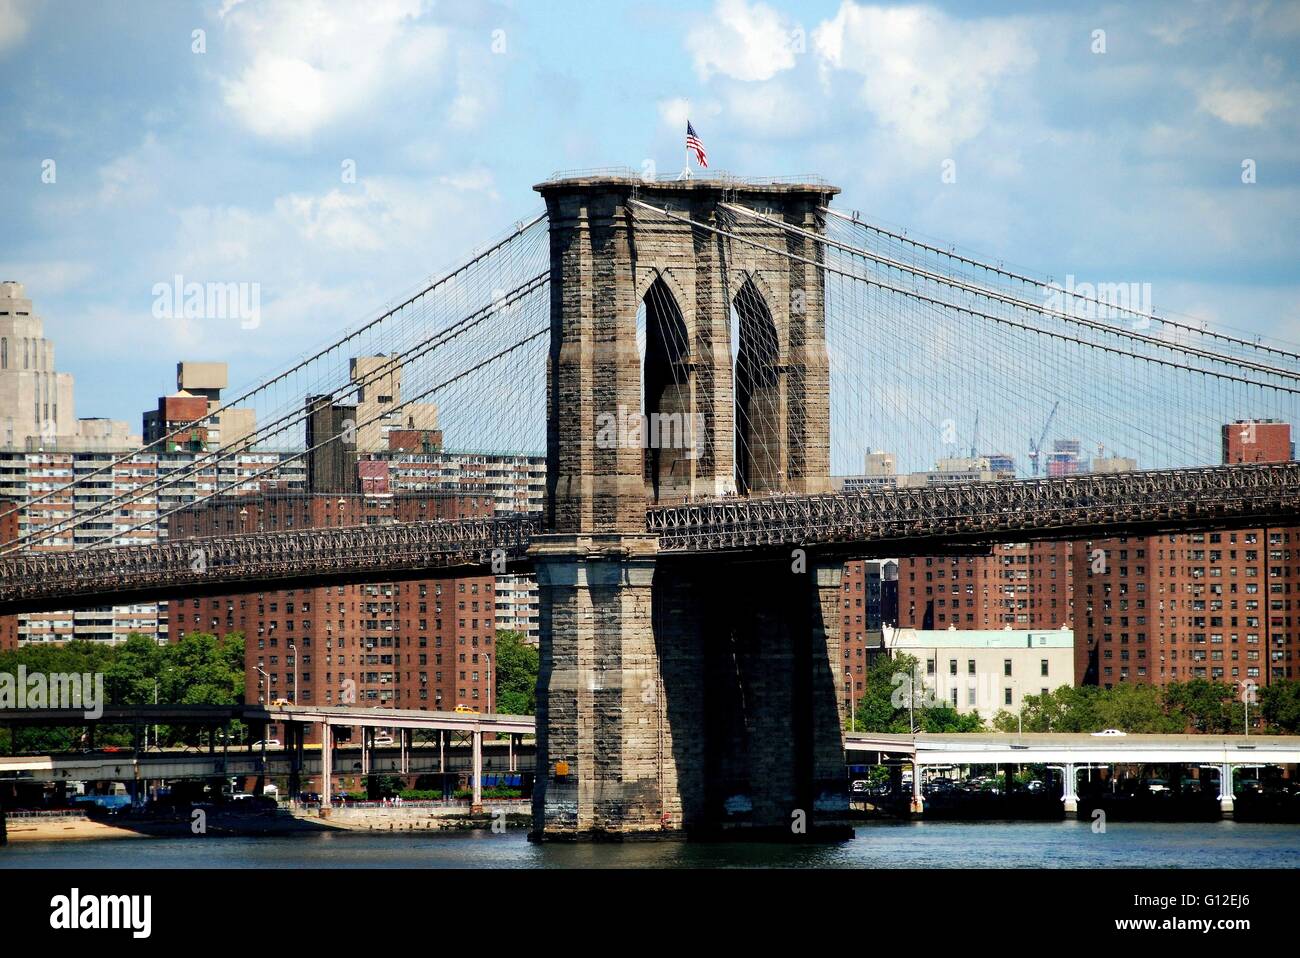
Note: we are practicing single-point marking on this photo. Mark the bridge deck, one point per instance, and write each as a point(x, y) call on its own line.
point(889, 522)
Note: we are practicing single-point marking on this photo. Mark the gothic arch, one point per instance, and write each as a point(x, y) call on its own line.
point(668, 427)
point(759, 420)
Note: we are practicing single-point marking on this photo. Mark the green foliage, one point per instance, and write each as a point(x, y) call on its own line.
point(379, 787)
point(883, 706)
point(198, 670)
point(1279, 705)
point(516, 664)
point(1204, 706)
point(1196, 706)
point(496, 791)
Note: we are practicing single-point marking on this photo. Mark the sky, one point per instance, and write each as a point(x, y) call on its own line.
point(337, 154)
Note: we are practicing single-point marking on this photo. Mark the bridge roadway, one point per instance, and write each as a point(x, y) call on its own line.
point(169, 764)
point(912, 521)
point(138, 765)
point(1072, 751)
point(1076, 751)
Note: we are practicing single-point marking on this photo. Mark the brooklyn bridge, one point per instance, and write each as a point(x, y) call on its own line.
point(689, 589)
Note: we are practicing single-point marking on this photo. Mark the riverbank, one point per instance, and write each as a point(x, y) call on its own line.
point(64, 829)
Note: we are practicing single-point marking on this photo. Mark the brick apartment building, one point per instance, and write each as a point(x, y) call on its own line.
point(1147, 609)
point(1215, 605)
point(869, 593)
point(423, 644)
point(1019, 586)
point(8, 533)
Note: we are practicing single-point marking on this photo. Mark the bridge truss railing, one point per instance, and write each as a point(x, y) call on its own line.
point(279, 557)
point(1070, 507)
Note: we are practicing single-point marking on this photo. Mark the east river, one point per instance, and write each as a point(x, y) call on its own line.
point(1068, 844)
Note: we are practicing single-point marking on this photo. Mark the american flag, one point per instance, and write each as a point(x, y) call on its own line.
point(695, 146)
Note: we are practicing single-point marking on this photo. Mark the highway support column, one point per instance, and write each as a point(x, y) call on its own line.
point(1069, 797)
point(476, 802)
point(326, 768)
point(1225, 790)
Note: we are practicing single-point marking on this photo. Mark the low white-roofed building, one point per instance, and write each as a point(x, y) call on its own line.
point(986, 670)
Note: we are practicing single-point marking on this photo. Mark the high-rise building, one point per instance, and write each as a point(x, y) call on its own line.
point(35, 399)
point(424, 644)
point(116, 476)
point(1257, 440)
point(192, 413)
point(1018, 586)
point(1214, 605)
point(869, 602)
point(8, 533)
point(1066, 458)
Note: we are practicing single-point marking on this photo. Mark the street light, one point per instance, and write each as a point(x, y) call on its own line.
point(853, 711)
point(294, 650)
point(491, 680)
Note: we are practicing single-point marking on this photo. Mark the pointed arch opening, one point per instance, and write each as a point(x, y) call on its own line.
point(756, 389)
point(668, 432)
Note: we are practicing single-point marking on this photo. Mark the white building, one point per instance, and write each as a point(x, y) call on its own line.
point(986, 670)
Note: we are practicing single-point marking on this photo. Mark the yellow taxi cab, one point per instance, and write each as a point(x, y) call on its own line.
point(466, 710)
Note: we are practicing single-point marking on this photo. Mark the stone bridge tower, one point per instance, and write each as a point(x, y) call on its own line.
point(682, 694)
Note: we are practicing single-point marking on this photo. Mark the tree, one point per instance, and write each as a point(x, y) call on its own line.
point(1134, 708)
point(1201, 706)
point(517, 665)
point(1279, 704)
point(884, 703)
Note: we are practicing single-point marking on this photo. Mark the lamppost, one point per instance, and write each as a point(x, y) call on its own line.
point(853, 710)
point(294, 650)
point(491, 680)
point(170, 668)
point(261, 698)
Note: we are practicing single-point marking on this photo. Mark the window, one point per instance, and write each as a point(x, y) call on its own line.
point(970, 666)
point(1006, 696)
point(1043, 667)
point(1006, 666)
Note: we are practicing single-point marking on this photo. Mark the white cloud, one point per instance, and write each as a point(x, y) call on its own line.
point(132, 176)
point(743, 42)
point(308, 64)
point(13, 23)
point(930, 78)
point(674, 112)
point(1239, 106)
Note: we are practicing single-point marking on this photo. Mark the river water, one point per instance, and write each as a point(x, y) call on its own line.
point(1068, 844)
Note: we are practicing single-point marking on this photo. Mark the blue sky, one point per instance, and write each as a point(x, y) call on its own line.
point(225, 165)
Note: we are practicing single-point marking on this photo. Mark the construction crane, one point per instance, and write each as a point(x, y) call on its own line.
point(1036, 448)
